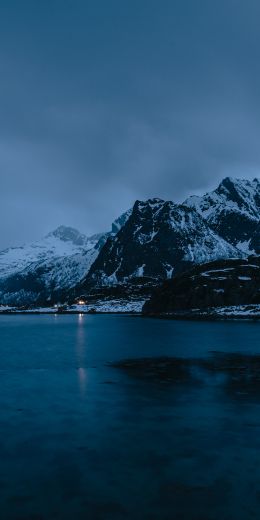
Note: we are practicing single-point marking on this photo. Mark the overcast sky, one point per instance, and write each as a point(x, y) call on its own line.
point(106, 101)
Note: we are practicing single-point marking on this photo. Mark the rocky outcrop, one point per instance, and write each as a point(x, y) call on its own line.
point(215, 284)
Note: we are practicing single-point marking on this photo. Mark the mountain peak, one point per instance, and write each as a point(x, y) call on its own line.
point(68, 234)
point(155, 200)
point(150, 205)
point(237, 182)
point(160, 238)
point(232, 210)
point(243, 192)
point(150, 202)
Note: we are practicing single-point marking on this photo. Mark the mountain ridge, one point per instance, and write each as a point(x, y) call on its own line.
point(233, 211)
point(153, 241)
point(46, 269)
point(159, 239)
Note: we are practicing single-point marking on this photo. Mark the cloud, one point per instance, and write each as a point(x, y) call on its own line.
point(102, 106)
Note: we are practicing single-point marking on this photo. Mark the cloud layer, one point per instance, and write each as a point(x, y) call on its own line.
point(105, 102)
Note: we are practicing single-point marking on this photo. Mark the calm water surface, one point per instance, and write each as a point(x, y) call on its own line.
point(81, 440)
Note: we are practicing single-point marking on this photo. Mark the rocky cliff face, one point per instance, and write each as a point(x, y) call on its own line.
point(158, 240)
point(233, 212)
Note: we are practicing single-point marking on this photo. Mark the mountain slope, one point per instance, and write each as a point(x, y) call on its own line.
point(215, 284)
point(158, 240)
point(36, 271)
point(46, 269)
point(233, 211)
point(61, 243)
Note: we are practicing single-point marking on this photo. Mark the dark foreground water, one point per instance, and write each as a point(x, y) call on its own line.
point(81, 440)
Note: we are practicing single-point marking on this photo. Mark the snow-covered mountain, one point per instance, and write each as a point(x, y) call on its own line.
point(61, 243)
point(43, 270)
point(154, 240)
point(233, 211)
point(158, 240)
point(35, 271)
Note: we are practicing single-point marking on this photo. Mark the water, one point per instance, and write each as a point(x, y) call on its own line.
point(82, 440)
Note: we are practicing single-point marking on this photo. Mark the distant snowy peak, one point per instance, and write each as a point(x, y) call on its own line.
point(42, 270)
point(232, 210)
point(159, 239)
point(63, 242)
point(57, 262)
point(68, 234)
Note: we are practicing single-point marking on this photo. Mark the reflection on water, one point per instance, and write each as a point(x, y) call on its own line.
point(82, 373)
point(81, 439)
point(80, 346)
point(80, 340)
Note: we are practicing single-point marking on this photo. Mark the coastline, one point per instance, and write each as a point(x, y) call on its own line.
point(229, 313)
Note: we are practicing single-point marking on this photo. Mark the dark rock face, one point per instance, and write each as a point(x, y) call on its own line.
point(233, 211)
point(255, 240)
point(158, 240)
point(22, 290)
point(215, 284)
point(30, 288)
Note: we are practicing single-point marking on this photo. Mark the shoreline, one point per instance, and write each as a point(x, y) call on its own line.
point(183, 316)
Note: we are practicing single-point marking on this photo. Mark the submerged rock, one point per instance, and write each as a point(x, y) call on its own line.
point(240, 372)
point(163, 369)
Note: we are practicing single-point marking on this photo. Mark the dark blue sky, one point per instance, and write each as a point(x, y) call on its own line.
point(103, 102)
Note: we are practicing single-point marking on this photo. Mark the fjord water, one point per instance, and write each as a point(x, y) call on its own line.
point(82, 440)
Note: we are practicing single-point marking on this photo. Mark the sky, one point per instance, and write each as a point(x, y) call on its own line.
point(105, 102)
